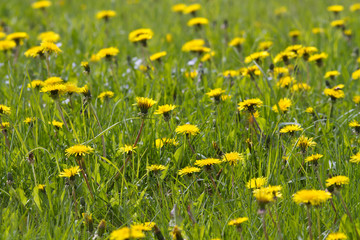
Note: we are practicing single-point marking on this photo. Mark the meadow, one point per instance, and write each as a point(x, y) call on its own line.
point(207, 119)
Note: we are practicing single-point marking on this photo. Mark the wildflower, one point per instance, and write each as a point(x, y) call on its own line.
point(294, 34)
point(280, 72)
point(280, 11)
point(198, 21)
point(313, 158)
point(5, 110)
point(207, 162)
point(85, 91)
point(238, 221)
point(41, 187)
point(125, 233)
point(236, 42)
point(187, 129)
point(318, 58)
point(128, 149)
point(141, 35)
point(355, 7)
point(331, 74)
point(231, 73)
point(225, 97)
point(54, 90)
point(178, 7)
point(70, 172)
point(317, 30)
point(354, 124)
point(53, 81)
point(29, 120)
point(355, 158)
point(159, 143)
point(338, 23)
point(95, 58)
point(78, 150)
point(169, 37)
point(157, 56)
point(104, 96)
point(216, 94)
point(144, 104)
point(165, 111)
point(251, 71)
point(274, 191)
point(256, 183)
point(304, 143)
point(305, 52)
point(310, 110)
point(337, 235)
point(284, 105)
point(257, 56)
point(17, 37)
point(192, 74)
point(335, 92)
point(49, 37)
point(41, 5)
point(335, 8)
point(300, 86)
point(291, 129)
point(356, 75)
point(250, 105)
point(188, 170)
point(285, 57)
point(356, 99)
point(86, 67)
point(285, 82)
point(337, 181)
point(147, 226)
point(108, 53)
point(57, 124)
point(263, 197)
point(4, 125)
point(155, 168)
point(71, 88)
point(192, 8)
point(233, 158)
point(105, 14)
point(6, 45)
point(34, 52)
point(265, 45)
point(311, 197)
point(50, 47)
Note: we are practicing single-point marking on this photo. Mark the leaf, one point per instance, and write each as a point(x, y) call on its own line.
point(37, 198)
point(178, 154)
point(22, 196)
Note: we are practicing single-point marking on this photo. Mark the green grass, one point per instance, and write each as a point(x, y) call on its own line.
point(139, 196)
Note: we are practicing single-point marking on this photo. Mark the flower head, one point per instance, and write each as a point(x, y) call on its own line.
point(192, 8)
point(125, 233)
point(70, 172)
point(235, 42)
point(178, 7)
point(188, 170)
point(313, 158)
point(17, 37)
point(256, 182)
point(216, 94)
point(165, 111)
point(250, 104)
point(291, 128)
point(128, 149)
point(257, 56)
point(108, 52)
point(49, 37)
point(141, 35)
point(331, 74)
point(285, 82)
point(265, 45)
point(155, 168)
point(356, 75)
point(355, 158)
point(336, 236)
point(238, 221)
point(284, 57)
point(54, 90)
point(34, 52)
point(187, 129)
point(310, 110)
point(104, 96)
point(318, 58)
point(313, 197)
point(284, 105)
point(78, 150)
point(300, 86)
point(147, 226)
point(50, 47)
point(335, 8)
point(198, 21)
point(53, 81)
point(29, 120)
point(304, 143)
point(144, 104)
point(159, 143)
point(337, 181)
point(57, 124)
point(6, 45)
point(158, 56)
point(335, 92)
point(355, 7)
point(41, 4)
point(207, 162)
point(5, 110)
point(233, 158)
point(105, 14)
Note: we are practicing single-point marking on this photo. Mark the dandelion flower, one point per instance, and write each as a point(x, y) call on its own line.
point(192, 8)
point(304, 143)
point(256, 183)
point(128, 149)
point(193, 44)
point(165, 111)
point(338, 181)
point(265, 45)
point(147, 226)
point(159, 143)
point(317, 30)
point(34, 52)
point(54, 90)
point(50, 47)
point(4, 125)
point(53, 81)
point(104, 96)
point(300, 86)
point(263, 197)
point(318, 58)
point(284, 105)
point(335, 92)
point(17, 37)
point(178, 7)
point(250, 105)
point(86, 66)
point(335, 8)
point(198, 21)
point(285, 82)
point(187, 129)
point(41, 4)
point(5, 110)
point(188, 170)
point(78, 150)
point(356, 75)
point(331, 74)
point(354, 124)
point(157, 56)
point(49, 37)
point(71, 88)
point(294, 33)
point(6, 45)
point(207, 162)
point(235, 42)
point(310, 110)
point(231, 73)
point(70, 172)
point(337, 235)
point(313, 158)
point(291, 128)
point(144, 104)
point(284, 57)
point(216, 94)
point(125, 233)
point(340, 23)
point(355, 7)
point(105, 14)
point(29, 120)
point(57, 124)
point(313, 197)
point(108, 52)
point(257, 56)
point(141, 35)
point(238, 221)
point(233, 158)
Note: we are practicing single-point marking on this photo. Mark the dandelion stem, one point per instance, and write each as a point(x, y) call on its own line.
point(61, 114)
point(5, 134)
point(47, 63)
point(309, 221)
point(33, 169)
point(264, 224)
point(99, 124)
point(85, 177)
point(191, 147)
point(74, 196)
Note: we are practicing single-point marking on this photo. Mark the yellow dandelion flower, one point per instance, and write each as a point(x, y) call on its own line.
point(284, 105)
point(165, 109)
point(5, 110)
point(71, 88)
point(335, 8)
point(355, 7)
point(4, 125)
point(354, 124)
point(54, 90)
point(192, 74)
point(313, 197)
point(300, 86)
point(108, 52)
point(337, 235)
point(263, 196)
point(141, 35)
point(29, 120)
point(356, 99)
point(144, 104)
point(256, 182)
point(207, 162)
point(6, 45)
point(233, 158)
point(41, 4)
point(105, 14)
point(157, 56)
point(78, 150)
point(188, 170)
point(159, 143)
point(195, 43)
point(257, 56)
point(313, 158)
point(125, 233)
point(34, 52)
point(238, 221)
point(215, 93)
point(70, 172)
point(17, 36)
point(50, 47)
point(280, 71)
point(331, 74)
point(250, 71)
point(291, 129)
point(265, 45)
point(198, 21)
point(128, 149)
point(104, 96)
point(355, 158)
point(250, 105)
point(207, 56)
point(274, 191)
point(338, 23)
point(317, 57)
point(338, 181)
point(304, 143)
point(231, 73)
point(86, 66)
point(187, 129)
point(94, 58)
point(56, 124)
point(356, 75)
point(147, 226)
point(155, 168)
point(294, 33)
point(335, 92)
point(285, 82)
point(48, 37)
point(280, 11)
point(284, 56)
point(238, 41)
point(317, 30)
point(41, 187)
point(53, 81)
point(192, 8)
point(178, 7)
point(310, 110)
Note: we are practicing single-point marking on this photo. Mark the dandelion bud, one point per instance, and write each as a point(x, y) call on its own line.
point(177, 234)
point(86, 67)
point(10, 179)
point(88, 221)
point(101, 228)
point(158, 233)
point(31, 158)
